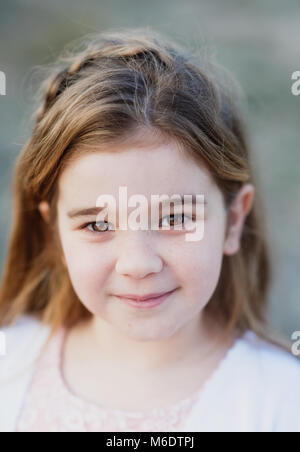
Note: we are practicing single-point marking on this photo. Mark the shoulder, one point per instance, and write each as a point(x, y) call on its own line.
point(23, 339)
point(269, 359)
point(271, 379)
point(23, 323)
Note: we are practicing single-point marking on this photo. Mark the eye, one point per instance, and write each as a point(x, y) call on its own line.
point(101, 227)
point(178, 215)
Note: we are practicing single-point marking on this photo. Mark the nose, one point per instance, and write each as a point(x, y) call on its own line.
point(137, 257)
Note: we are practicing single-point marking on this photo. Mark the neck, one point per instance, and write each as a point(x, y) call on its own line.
point(195, 341)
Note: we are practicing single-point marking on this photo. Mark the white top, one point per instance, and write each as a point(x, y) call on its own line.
point(254, 389)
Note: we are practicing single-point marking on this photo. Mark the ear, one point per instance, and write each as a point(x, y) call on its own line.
point(44, 209)
point(237, 213)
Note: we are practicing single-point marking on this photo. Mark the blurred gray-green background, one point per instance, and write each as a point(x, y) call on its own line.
point(258, 41)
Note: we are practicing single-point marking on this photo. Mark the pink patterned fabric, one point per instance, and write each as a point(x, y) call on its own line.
point(50, 406)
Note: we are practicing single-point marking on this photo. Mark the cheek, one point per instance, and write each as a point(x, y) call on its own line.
point(201, 273)
point(88, 268)
point(199, 266)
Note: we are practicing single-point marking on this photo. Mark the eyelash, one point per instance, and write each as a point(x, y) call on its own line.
point(85, 226)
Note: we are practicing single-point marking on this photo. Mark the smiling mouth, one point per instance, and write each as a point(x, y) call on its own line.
point(142, 298)
point(149, 302)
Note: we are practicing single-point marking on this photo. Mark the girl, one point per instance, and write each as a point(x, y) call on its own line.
point(85, 351)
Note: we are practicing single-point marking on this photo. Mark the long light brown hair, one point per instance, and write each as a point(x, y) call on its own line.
point(119, 82)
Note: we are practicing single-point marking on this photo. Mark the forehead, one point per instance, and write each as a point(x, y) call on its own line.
point(143, 170)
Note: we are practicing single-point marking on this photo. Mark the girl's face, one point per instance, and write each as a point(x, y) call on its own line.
point(103, 264)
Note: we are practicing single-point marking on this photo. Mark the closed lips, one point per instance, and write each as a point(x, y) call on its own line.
point(144, 297)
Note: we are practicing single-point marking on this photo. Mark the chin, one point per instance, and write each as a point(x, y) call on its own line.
point(145, 336)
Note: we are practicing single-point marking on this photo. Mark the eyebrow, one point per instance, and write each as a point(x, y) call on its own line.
point(89, 211)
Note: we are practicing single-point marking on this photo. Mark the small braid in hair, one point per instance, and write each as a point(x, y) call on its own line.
point(54, 86)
